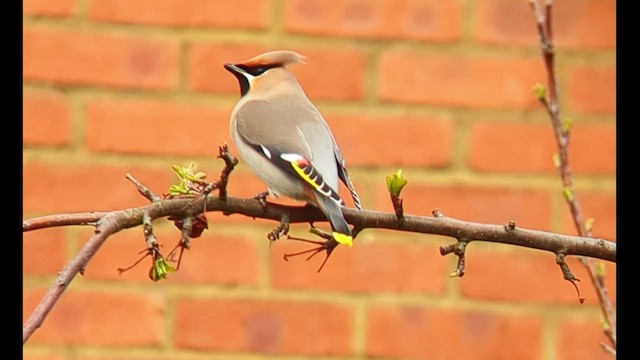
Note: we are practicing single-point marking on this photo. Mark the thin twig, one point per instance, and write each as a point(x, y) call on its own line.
point(230, 163)
point(459, 248)
point(544, 23)
point(143, 190)
point(88, 218)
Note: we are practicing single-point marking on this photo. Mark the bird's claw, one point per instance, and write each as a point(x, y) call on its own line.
point(328, 246)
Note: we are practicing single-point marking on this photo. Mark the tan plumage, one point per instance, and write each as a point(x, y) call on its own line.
point(285, 140)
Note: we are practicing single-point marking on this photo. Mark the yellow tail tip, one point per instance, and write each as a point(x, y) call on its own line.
point(343, 239)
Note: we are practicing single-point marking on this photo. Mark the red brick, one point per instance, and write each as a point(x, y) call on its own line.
point(587, 158)
point(44, 251)
point(201, 13)
point(156, 127)
point(49, 8)
point(68, 187)
point(370, 266)
point(264, 326)
point(526, 147)
point(412, 332)
point(497, 205)
point(137, 354)
point(577, 24)
point(601, 208)
point(592, 89)
point(223, 259)
point(527, 276)
point(46, 119)
point(319, 77)
point(41, 356)
point(213, 258)
point(476, 81)
point(580, 339)
point(100, 318)
point(424, 141)
point(206, 60)
point(87, 58)
point(47, 187)
point(511, 146)
point(410, 19)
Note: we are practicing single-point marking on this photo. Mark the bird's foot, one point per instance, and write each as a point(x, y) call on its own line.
point(262, 198)
point(280, 230)
point(328, 245)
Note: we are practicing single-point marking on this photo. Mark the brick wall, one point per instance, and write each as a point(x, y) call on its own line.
point(441, 89)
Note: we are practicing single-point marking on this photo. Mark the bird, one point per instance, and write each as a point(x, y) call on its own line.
point(285, 141)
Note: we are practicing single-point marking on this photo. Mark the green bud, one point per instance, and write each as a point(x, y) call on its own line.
point(160, 269)
point(540, 91)
point(600, 269)
point(179, 189)
point(568, 194)
point(567, 124)
point(588, 224)
point(395, 183)
point(186, 178)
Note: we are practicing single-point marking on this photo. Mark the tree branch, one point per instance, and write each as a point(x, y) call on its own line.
point(363, 219)
point(108, 223)
point(88, 218)
point(106, 226)
point(562, 130)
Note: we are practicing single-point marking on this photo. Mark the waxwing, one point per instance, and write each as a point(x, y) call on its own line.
point(285, 140)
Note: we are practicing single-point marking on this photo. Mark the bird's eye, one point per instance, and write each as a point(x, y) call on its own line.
point(257, 71)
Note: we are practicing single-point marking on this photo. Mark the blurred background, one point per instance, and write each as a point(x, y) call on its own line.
point(439, 89)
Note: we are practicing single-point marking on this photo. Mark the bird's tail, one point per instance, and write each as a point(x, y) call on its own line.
point(333, 211)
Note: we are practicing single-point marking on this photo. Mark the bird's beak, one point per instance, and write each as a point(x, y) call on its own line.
point(233, 69)
point(243, 77)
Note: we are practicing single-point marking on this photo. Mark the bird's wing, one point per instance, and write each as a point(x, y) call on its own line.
point(264, 123)
point(343, 174)
point(291, 140)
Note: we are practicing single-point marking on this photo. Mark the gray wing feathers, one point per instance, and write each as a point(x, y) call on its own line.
point(287, 126)
point(261, 123)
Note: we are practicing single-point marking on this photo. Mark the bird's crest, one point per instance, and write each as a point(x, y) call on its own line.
point(276, 57)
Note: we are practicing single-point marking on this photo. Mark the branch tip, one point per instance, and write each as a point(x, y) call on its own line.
point(437, 213)
point(608, 349)
point(147, 252)
point(567, 274)
point(230, 163)
point(458, 249)
point(395, 183)
point(142, 189)
point(446, 249)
